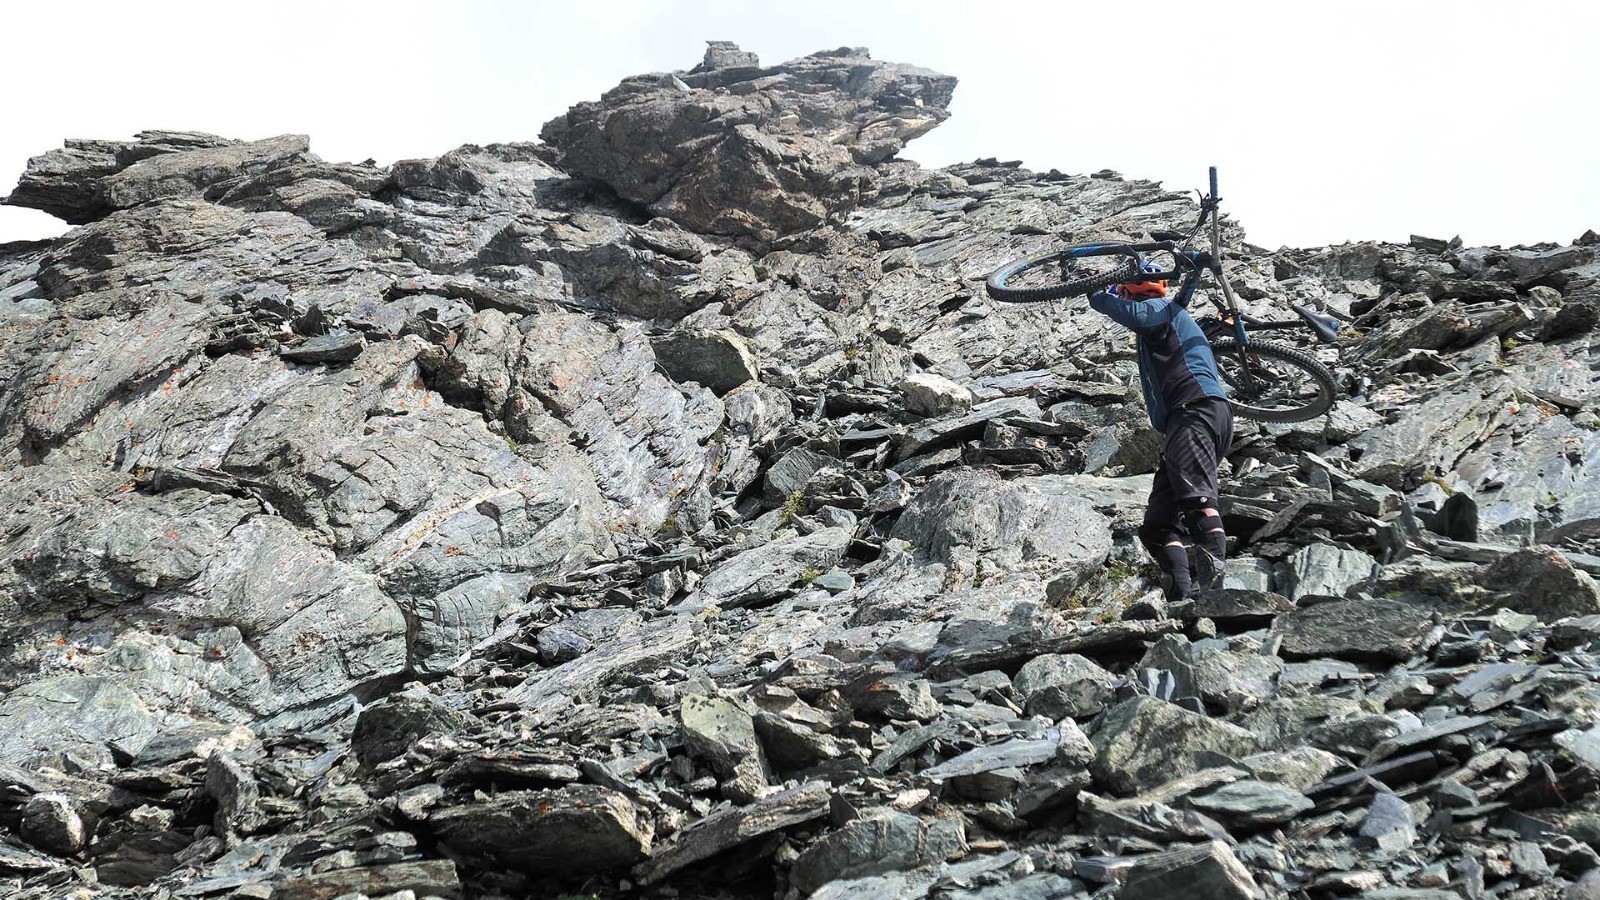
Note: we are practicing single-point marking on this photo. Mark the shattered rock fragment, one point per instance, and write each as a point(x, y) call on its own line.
point(1207, 871)
point(576, 829)
point(1144, 741)
point(878, 842)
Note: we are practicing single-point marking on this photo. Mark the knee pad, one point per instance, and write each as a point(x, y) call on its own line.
point(1196, 521)
point(1154, 536)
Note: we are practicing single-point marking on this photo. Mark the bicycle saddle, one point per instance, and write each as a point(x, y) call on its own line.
point(1326, 327)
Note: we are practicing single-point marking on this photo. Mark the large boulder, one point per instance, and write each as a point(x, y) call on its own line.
point(1542, 581)
point(744, 151)
point(1380, 629)
point(1144, 742)
point(577, 829)
point(86, 180)
point(966, 516)
point(878, 842)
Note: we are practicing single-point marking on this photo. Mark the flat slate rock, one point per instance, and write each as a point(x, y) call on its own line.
point(1252, 804)
point(734, 826)
point(338, 347)
point(1207, 871)
point(1234, 606)
point(1354, 629)
point(579, 828)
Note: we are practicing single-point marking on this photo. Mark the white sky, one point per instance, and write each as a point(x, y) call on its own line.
point(1330, 120)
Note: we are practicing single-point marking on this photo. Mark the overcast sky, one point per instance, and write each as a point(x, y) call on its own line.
point(1330, 121)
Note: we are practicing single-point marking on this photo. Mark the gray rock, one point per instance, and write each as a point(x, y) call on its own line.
point(219, 539)
point(730, 827)
point(88, 179)
point(1354, 629)
point(73, 716)
point(338, 347)
point(577, 829)
point(1252, 804)
point(1389, 826)
point(957, 427)
point(1063, 687)
point(1433, 435)
point(896, 696)
point(1585, 888)
point(1323, 570)
point(580, 632)
point(1367, 498)
point(1222, 678)
point(927, 394)
point(721, 360)
point(388, 728)
point(1143, 742)
point(1541, 581)
point(192, 173)
point(420, 878)
point(1068, 745)
point(962, 515)
point(879, 841)
point(236, 793)
point(1207, 871)
point(766, 572)
point(1298, 769)
point(724, 736)
point(739, 163)
point(790, 473)
point(1238, 608)
point(53, 823)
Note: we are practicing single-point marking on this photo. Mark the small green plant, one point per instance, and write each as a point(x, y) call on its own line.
point(809, 576)
point(670, 525)
point(792, 507)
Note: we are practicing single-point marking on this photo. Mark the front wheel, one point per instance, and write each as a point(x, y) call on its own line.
point(1070, 272)
point(1269, 382)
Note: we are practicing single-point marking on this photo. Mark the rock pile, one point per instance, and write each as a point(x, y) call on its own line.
point(663, 511)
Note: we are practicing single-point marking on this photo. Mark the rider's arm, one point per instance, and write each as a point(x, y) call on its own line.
point(1139, 315)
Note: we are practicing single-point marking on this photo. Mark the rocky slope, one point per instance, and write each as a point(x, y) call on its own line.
point(662, 510)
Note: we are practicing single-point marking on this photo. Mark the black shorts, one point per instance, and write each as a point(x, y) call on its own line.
point(1198, 437)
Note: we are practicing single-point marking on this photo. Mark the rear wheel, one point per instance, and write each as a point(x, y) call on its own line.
point(1076, 270)
point(1273, 383)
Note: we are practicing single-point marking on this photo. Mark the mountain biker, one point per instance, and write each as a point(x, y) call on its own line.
point(1183, 392)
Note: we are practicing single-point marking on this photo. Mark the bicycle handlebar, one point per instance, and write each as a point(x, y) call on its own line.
point(1182, 263)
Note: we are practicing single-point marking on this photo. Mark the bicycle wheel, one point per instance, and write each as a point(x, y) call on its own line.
point(1079, 269)
point(1273, 383)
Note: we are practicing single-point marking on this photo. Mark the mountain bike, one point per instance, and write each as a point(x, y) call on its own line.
point(1267, 382)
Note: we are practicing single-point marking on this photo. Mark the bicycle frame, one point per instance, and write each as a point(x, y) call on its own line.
point(1193, 264)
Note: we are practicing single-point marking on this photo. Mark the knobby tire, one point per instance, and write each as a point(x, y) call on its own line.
point(997, 288)
point(1226, 351)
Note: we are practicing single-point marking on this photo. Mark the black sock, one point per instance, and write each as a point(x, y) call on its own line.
point(1174, 563)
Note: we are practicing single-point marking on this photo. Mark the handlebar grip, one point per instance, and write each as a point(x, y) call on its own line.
point(1213, 182)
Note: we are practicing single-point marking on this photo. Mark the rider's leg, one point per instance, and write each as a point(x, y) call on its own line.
point(1210, 542)
point(1159, 535)
point(1193, 451)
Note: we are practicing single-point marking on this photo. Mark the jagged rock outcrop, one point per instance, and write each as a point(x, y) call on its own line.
point(731, 148)
point(662, 510)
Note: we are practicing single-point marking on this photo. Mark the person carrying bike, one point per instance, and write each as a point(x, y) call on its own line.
point(1183, 392)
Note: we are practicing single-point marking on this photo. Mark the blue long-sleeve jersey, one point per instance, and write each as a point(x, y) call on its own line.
point(1175, 362)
